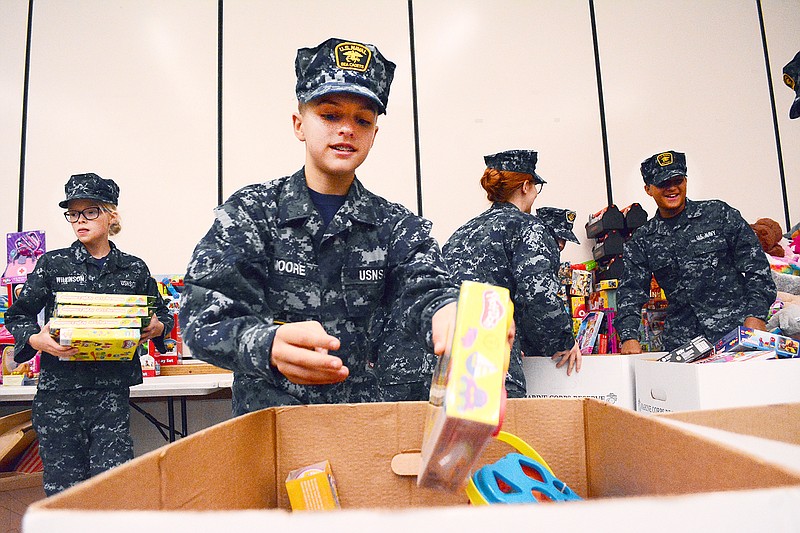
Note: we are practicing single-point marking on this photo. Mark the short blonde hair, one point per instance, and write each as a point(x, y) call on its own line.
point(116, 223)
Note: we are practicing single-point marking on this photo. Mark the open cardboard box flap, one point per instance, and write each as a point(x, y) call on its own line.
point(779, 422)
point(599, 450)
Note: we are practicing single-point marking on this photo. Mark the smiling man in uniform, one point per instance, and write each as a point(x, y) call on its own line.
point(702, 253)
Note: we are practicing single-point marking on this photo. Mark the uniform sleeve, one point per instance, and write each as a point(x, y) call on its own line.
point(20, 319)
point(633, 291)
point(544, 325)
point(223, 312)
point(418, 278)
point(749, 258)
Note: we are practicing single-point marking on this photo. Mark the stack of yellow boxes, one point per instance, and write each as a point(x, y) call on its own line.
point(104, 327)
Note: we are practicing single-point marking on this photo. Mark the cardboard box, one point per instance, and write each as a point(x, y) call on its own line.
point(664, 387)
point(779, 422)
point(604, 453)
point(609, 378)
point(17, 490)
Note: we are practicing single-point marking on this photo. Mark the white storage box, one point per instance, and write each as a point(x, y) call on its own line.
point(665, 387)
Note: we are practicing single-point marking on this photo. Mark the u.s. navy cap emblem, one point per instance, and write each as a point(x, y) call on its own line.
point(788, 80)
point(352, 56)
point(570, 216)
point(664, 159)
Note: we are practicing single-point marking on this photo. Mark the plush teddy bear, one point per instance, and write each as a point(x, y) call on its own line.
point(769, 234)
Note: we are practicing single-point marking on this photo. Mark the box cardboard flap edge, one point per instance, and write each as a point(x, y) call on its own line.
point(599, 450)
point(779, 422)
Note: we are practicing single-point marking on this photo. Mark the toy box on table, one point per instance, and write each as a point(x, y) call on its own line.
point(615, 458)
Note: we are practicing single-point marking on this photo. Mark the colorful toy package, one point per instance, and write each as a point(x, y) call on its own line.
point(313, 488)
point(104, 327)
point(90, 298)
point(117, 344)
point(468, 388)
point(744, 339)
point(23, 250)
point(100, 311)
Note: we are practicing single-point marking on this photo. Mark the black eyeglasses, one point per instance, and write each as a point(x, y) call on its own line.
point(90, 213)
point(539, 187)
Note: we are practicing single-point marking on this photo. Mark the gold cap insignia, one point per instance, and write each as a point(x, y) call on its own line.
point(664, 159)
point(788, 80)
point(352, 56)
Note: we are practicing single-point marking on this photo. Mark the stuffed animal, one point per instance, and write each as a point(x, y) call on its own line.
point(769, 234)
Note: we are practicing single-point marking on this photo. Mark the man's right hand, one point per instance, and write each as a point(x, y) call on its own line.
point(630, 346)
point(300, 352)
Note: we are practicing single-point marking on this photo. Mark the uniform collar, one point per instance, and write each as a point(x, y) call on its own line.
point(358, 205)
point(692, 210)
point(81, 254)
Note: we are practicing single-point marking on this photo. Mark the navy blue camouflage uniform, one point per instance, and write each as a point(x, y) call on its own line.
point(268, 257)
point(507, 247)
point(80, 412)
point(710, 265)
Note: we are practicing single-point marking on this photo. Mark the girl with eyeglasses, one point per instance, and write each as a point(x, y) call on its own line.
point(81, 411)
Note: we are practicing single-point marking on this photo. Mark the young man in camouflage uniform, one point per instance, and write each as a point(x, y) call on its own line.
point(791, 77)
point(506, 246)
point(81, 412)
point(292, 286)
point(559, 222)
point(703, 254)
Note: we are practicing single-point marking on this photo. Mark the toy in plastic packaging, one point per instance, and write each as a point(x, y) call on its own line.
point(23, 250)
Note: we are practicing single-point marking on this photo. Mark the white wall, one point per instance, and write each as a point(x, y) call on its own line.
point(260, 44)
point(782, 23)
point(693, 80)
point(128, 89)
point(503, 75)
point(13, 27)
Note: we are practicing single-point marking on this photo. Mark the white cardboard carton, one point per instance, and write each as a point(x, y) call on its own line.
point(665, 387)
point(609, 378)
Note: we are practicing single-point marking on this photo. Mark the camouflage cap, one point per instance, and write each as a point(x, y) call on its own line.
point(560, 221)
point(90, 187)
point(515, 161)
point(660, 167)
point(791, 77)
point(339, 66)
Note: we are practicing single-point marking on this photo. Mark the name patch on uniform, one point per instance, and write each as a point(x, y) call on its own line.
point(71, 279)
point(363, 275)
point(352, 56)
point(127, 283)
point(703, 236)
point(284, 266)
